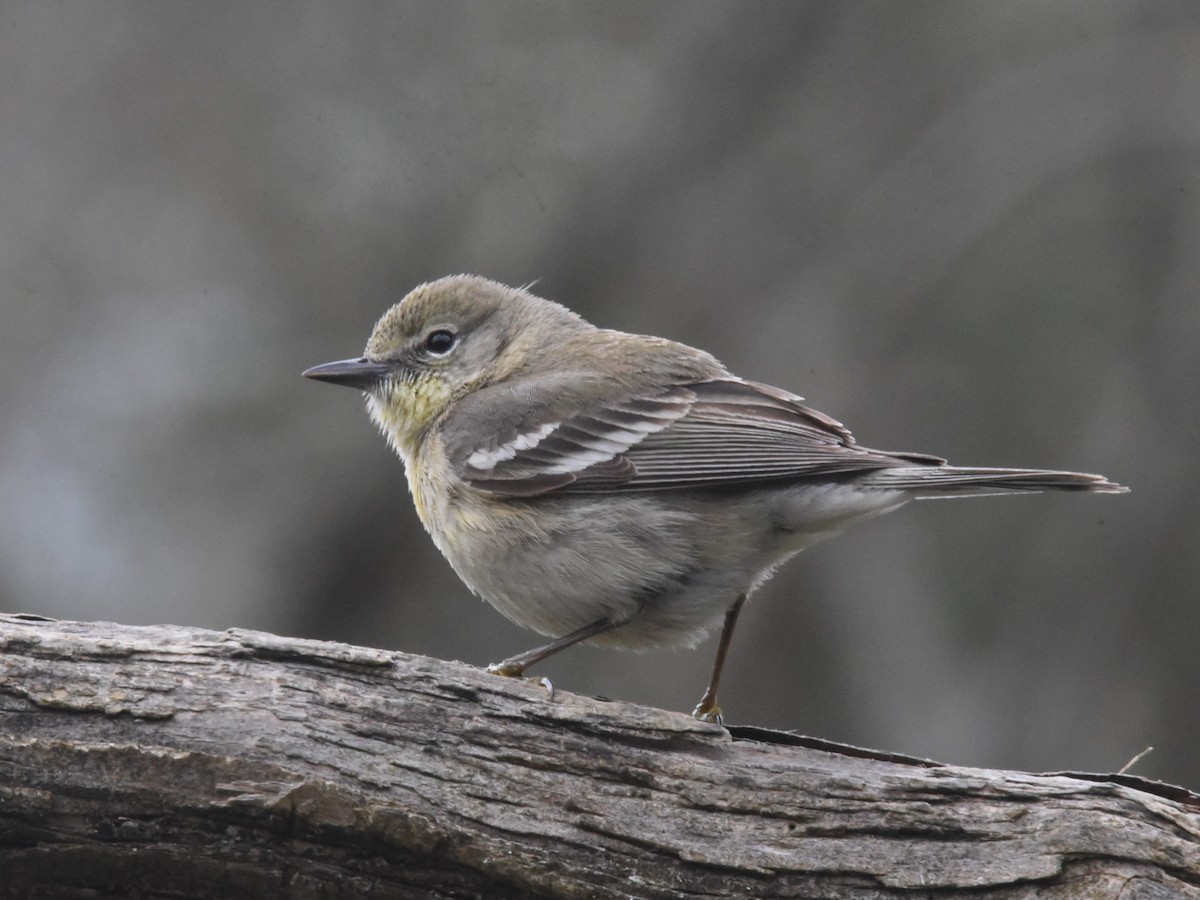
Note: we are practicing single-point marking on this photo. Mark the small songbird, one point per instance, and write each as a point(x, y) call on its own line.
point(627, 490)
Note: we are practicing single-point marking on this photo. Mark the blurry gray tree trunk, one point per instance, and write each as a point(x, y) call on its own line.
point(176, 762)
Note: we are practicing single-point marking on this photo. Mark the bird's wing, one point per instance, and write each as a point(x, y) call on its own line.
point(704, 434)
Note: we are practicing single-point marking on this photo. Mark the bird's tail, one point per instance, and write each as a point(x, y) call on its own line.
point(951, 481)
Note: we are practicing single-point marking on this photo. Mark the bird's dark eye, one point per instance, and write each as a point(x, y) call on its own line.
point(439, 342)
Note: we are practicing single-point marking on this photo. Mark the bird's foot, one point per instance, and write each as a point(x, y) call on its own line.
point(708, 711)
point(509, 669)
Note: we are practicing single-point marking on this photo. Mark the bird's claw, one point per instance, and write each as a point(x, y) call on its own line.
point(509, 670)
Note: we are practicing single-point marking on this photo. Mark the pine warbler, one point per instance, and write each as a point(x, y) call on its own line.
point(617, 488)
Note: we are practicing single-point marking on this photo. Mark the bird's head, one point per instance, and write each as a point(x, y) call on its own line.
point(444, 340)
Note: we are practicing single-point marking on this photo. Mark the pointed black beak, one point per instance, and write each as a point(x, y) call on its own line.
point(360, 374)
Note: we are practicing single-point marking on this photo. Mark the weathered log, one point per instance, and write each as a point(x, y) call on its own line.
point(177, 762)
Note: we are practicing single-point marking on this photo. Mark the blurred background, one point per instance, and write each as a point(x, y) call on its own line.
point(964, 229)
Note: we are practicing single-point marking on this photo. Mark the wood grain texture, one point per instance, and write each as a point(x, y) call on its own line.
point(176, 762)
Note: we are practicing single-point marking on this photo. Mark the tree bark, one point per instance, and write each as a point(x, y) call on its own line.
point(176, 762)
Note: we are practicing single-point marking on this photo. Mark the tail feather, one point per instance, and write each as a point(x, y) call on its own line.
point(944, 481)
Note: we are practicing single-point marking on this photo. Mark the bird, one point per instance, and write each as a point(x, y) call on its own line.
point(620, 489)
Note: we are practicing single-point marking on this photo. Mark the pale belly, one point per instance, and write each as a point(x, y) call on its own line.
point(667, 563)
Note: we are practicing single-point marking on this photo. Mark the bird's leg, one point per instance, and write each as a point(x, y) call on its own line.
point(515, 666)
point(707, 710)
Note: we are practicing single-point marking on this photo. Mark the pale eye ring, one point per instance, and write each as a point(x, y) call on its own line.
point(440, 342)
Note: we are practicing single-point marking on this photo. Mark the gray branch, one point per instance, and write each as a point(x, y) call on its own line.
point(176, 762)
